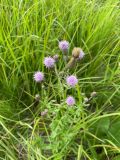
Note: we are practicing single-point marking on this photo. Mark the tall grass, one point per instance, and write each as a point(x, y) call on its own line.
point(30, 30)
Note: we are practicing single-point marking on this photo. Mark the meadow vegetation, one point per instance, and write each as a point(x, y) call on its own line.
point(37, 121)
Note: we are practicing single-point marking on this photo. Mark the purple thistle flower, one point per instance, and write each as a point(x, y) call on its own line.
point(38, 76)
point(81, 55)
point(64, 45)
point(70, 101)
point(71, 80)
point(49, 62)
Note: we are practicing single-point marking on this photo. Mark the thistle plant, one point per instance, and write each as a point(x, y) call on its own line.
point(51, 52)
point(49, 62)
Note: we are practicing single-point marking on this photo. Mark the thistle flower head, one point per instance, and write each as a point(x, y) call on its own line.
point(64, 45)
point(49, 62)
point(78, 53)
point(38, 76)
point(81, 55)
point(70, 101)
point(71, 80)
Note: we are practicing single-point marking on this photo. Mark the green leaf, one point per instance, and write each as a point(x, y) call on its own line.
point(114, 133)
point(101, 127)
point(117, 158)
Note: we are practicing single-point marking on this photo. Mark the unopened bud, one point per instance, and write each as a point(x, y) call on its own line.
point(56, 57)
point(37, 97)
point(36, 100)
point(86, 99)
point(93, 94)
point(44, 112)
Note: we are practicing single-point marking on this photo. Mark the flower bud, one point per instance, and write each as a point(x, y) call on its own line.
point(44, 112)
point(36, 100)
point(86, 100)
point(56, 57)
point(93, 94)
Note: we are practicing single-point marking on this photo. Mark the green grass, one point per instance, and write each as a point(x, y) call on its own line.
point(30, 30)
